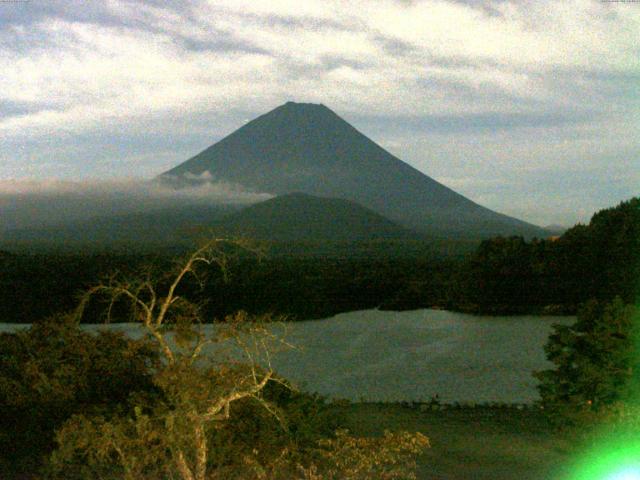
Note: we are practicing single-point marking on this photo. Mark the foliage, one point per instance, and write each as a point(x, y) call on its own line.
point(34, 287)
point(196, 395)
point(294, 284)
point(600, 260)
point(596, 362)
point(302, 288)
point(615, 234)
point(53, 370)
point(390, 457)
point(216, 415)
point(499, 275)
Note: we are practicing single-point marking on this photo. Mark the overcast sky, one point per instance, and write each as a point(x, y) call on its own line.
point(530, 108)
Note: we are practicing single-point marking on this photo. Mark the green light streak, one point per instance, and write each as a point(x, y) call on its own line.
point(614, 459)
point(616, 451)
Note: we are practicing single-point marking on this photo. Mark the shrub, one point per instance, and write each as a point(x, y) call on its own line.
point(596, 362)
point(53, 370)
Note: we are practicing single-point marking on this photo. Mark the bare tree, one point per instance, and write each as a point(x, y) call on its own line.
point(203, 373)
point(200, 389)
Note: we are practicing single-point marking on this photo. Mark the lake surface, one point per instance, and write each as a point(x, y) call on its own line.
point(394, 356)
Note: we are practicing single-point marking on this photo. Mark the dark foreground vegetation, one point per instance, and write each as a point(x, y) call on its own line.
point(315, 280)
point(75, 405)
point(104, 406)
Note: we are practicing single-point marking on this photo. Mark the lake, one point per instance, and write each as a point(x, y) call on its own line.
point(411, 356)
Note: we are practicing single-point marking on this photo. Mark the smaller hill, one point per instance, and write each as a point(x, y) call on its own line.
point(301, 217)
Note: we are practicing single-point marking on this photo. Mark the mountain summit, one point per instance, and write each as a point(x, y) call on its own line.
point(304, 147)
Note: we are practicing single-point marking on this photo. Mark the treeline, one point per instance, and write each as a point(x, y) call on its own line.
point(600, 260)
point(34, 287)
point(306, 288)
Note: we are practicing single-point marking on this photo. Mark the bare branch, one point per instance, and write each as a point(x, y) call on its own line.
point(202, 342)
point(223, 403)
point(197, 257)
point(183, 467)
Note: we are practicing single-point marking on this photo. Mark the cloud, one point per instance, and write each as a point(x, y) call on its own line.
point(216, 54)
point(28, 203)
point(201, 187)
point(124, 88)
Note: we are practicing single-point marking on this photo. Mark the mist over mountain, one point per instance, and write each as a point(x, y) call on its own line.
point(300, 147)
point(168, 226)
point(301, 217)
point(47, 204)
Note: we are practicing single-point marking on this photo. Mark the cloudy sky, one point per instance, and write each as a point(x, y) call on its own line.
point(531, 108)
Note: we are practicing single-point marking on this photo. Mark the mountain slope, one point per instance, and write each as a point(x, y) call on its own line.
point(297, 216)
point(166, 226)
point(308, 148)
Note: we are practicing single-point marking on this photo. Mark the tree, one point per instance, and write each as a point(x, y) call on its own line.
point(203, 382)
point(596, 362)
point(195, 397)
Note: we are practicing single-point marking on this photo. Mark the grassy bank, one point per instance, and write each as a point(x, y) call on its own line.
point(472, 443)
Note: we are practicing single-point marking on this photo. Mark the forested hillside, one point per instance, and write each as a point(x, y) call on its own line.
point(600, 260)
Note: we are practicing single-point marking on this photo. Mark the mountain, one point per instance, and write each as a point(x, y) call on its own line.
point(555, 229)
point(302, 147)
point(302, 217)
